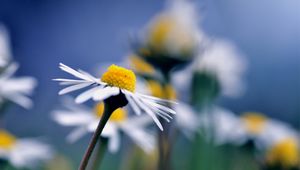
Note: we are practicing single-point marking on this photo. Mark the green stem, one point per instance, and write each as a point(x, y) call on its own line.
point(164, 145)
point(84, 162)
point(110, 105)
point(99, 155)
point(3, 164)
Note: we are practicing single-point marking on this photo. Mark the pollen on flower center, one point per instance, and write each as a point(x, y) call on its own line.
point(254, 122)
point(118, 115)
point(6, 140)
point(119, 77)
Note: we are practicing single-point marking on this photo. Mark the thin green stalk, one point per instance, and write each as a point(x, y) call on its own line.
point(110, 105)
point(164, 145)
point(94, 140)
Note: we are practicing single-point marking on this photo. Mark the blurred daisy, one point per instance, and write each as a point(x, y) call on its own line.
point(85, 120)
point(284, 154)
point(251, 126)
point(222, 125)
point(221, 66)
point(173, 35)
point(222, 60)
point(264, 131)
point(5, 53)
point(23, 153)
point(115, 81)
point(16, 89)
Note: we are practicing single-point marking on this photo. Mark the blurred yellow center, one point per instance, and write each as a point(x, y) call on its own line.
point(160, 30)
point(6, 140)
point(284, 153)
point(140, 65)
point(118, 115)
point(119, 77)
point(157, 90)
point(254, 122)
point(166, 32)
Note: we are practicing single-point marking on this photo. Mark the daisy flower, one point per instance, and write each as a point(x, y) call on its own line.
point(85, 120)
point(251, 126)
point(278, 140)
point(172, 37)
point(16, 89)
point(115, 81)
point(222, 60)
point(5, 53)
point(222, 68)
point(23, 153)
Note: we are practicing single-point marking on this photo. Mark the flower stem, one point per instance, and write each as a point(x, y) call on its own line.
point(110, 105)
point(94, 140)
point(164, 144)
point(102, 146)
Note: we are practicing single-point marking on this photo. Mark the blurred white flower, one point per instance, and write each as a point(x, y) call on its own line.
point(116, 80)
point(23, 153)
point(187, 120)
point(275, 131)
point(221, 59)
point(222, 125)
point(85, 120)
point(16, 89)
point(229, 128)
point(5, 53)
point(174, 32)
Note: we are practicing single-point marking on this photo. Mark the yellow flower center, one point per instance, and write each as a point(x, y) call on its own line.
point(119, 77)
point(140, 65)
point(157, 90)
point(7, 140)
point(284, 153)
point(254, 122)
point(118, 115)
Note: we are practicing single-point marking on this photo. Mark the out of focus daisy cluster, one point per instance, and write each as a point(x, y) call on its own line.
point(15, 90)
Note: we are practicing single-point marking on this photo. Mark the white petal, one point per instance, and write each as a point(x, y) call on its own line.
point(106, 92)
point(132, 103)
point(114, 142)
point(73, 88)
point(20, 100)
point(69, 81)
point(155, 98)
point(148, 111)
point(10, 70)
point(161, 107)
point(29, 152)
point(140, 136)
point(141, 121)
point(74, 72)
point(69, 118)
point(86, 95)
point(76, 134)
